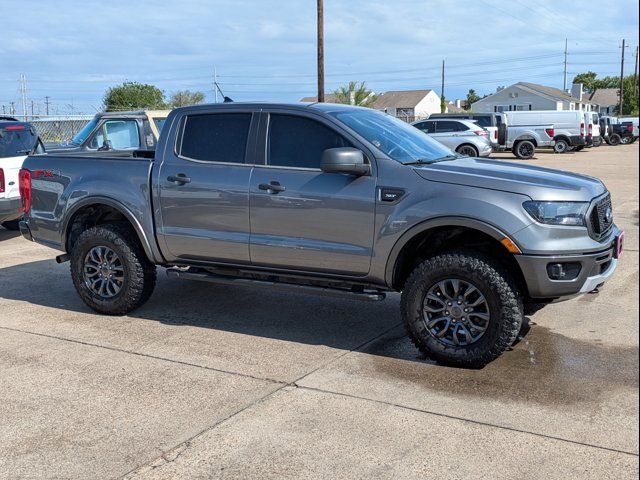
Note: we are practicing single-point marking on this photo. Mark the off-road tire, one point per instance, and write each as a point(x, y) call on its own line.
point(504, 299)
point(561, 146)
point(139, 272)
point(12, 225)
point(524, 149)
point(615, 139)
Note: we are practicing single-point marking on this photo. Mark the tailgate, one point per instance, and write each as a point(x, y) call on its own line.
point(10, 168)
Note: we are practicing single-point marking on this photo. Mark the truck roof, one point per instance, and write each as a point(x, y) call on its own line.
point(134, 113)
point(288, 105)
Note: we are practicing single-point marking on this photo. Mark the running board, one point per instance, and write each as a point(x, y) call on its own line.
point(367, 296)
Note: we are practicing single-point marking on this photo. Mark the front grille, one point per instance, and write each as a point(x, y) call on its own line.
point(600, 224)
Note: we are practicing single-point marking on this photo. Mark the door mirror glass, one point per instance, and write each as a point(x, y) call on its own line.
point(346, 160)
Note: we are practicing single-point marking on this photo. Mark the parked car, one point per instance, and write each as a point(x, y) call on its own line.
point(463, 136)
point(333, 200)
point(17, 140)
point(120, 131)
point(569, 126)
point(523, 140)
point(631, 128)
point(617, 134)
point(592, 124)
point(489, 121)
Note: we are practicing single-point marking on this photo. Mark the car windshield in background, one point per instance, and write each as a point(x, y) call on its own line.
point(82, 135)
point(395, 138)
point(16, 143)
point(160, 123)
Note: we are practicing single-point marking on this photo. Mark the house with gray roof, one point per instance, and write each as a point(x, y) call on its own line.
point(607, 99)
point(531, 96)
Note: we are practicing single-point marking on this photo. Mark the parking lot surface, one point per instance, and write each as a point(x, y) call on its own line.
point(223, 382)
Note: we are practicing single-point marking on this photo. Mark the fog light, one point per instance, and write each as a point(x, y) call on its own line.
point(563, 271)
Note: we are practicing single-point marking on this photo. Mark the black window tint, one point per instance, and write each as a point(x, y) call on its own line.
point(218, 137)
point(483, 120)
point(446, 126)
point(426, 127)
point(461, 127)
point(16, 142)
point(299, 142)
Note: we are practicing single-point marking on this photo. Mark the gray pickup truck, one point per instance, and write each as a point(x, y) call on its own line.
point(327, 199)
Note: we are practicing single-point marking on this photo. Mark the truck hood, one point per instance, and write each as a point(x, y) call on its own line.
point(538, 183)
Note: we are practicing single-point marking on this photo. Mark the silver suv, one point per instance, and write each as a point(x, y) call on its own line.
point(463, 136)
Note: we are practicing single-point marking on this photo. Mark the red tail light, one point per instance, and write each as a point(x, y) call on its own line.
point(25, 190)
point(495, 134)
point(550, 131)
point(1, 180)
point(481, 133)
point(630, 128)
point(590, 130)
point(14, 128)
point(582, 129)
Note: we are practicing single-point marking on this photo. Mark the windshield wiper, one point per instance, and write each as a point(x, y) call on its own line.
point(429, 161)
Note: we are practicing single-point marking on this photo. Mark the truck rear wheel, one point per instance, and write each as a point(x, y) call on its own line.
point(561, 146)
point(110, 270)
point(524, 149)
point(615, 139)
point(461, 309)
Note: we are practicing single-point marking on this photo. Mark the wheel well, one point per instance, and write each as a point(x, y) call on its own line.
point(90, 216)
point(466, 145)
point(562, 137)
point(448, 238)
point(531, 139)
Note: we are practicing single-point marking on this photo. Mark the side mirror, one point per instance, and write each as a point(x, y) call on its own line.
point(106, 146)
point(344, 160)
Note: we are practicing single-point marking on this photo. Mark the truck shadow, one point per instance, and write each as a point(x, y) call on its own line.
point(7, 234)
point(544, 367)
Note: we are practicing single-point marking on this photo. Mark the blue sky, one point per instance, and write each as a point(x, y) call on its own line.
point(73, 50)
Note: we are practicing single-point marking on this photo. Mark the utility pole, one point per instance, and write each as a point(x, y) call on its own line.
point(442, 104)
point(215, 83)
point(12, 110)
point(635, 74)
point(320, 51)
point(31, 109)
point(565, 65)
point(621, 79)
point(23, 94)
point(46, 105)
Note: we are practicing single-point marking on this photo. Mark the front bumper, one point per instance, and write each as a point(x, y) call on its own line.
point(595, 270)
point(10, 209)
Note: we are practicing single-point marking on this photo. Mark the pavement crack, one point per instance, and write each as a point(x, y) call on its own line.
point(468, 420)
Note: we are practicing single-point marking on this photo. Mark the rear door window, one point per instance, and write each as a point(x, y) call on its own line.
point(216, 137)
point(16, 141)
point(447, 126)
point(426, 127)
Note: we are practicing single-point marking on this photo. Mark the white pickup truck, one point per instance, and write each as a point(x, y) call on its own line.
point(17, 140)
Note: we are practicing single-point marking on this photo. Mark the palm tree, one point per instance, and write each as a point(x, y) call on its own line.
point(355, 93)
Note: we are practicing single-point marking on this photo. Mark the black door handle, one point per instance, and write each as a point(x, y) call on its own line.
point(180, 178)
point(272, 187)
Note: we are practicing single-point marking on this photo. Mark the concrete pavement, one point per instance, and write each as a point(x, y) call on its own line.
point(220, 382)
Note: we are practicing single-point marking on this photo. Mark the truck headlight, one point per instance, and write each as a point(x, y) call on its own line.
point(558, 213)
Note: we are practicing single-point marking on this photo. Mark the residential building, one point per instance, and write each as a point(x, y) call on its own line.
point(409, 105)
point(607, 99)
point(531, 96)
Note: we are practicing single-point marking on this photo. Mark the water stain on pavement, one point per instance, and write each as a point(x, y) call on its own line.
point(544, 368)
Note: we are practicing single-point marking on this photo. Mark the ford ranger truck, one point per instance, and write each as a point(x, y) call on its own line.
point(327, 199)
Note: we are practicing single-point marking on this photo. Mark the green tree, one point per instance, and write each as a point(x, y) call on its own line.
point(589, 81)
point(472, 97)
point(133, 95)
point(182, 98)
point(443, 104)
point(356, 93)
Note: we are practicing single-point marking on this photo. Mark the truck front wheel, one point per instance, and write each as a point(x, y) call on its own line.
point(110, 270)
point(461, 309)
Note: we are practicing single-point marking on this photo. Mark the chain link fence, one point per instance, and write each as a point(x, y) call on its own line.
point(59, 128)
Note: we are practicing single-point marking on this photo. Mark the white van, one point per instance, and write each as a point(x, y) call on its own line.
point(569, 126)
point(592, 126)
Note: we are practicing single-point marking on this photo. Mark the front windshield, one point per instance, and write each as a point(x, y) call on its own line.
point(82, 135)
point(395, 138)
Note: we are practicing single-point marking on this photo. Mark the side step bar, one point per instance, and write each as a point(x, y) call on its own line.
point(367, 296)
